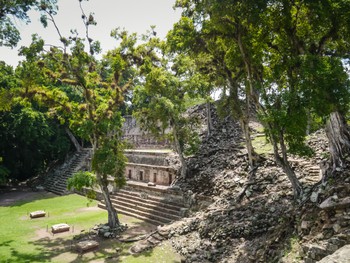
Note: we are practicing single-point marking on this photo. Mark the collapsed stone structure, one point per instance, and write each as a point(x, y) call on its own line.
point(257, 219)
point(231, 217)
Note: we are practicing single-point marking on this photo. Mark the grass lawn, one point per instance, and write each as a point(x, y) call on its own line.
point(27, 240)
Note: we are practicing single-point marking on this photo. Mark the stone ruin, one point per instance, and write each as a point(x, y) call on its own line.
point(59, 228)
point(37, 214)
point(150, 166)
point(139, 138)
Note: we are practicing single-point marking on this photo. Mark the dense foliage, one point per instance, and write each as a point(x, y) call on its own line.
point(284, 61)
point(284, 58)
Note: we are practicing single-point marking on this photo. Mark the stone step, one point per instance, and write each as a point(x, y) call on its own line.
point(150, 215)
point(151, 199)
point(142, 207)
point(53, 190)
point(57, 182)
point(121, 211)
point(145, 203)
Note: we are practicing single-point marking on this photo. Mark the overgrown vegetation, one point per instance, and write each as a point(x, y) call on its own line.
point(284, 62)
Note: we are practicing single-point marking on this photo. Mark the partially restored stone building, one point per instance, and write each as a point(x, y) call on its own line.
point(140, 138)
point(149, 166)
point(149, 160)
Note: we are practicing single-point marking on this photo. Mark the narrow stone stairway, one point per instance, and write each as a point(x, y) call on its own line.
point(153, 209)
point(309, 172)
point(56, 182)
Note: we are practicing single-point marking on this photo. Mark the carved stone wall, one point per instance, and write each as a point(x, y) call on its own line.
point(150, 166)
point(139, 138)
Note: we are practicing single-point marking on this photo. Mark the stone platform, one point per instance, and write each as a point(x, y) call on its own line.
point(37, 214)
point(58, 228)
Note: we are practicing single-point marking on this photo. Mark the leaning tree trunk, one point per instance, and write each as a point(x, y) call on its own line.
point(285, 165)
point(113, 220)
point(73, 139)
point(243, 118)
point(248, 142)
point(180, 153)
point(338, 134)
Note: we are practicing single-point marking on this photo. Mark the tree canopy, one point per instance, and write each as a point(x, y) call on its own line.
point(12, 10)
point(283, 61)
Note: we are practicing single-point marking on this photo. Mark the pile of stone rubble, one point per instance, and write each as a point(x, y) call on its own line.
point(255, 219)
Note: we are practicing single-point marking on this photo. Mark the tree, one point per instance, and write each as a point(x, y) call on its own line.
point(265, 45)
point(83, 93)
point(10, 10)
point(310, 39)
point(228, 31)
point(96, 117)
point(161, 98)
point(29, 137)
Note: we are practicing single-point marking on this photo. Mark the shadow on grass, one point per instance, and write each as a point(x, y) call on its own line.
point(63, 249)
point(46, 250)
point(22, 195)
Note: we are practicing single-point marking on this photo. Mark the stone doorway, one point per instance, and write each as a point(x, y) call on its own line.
point(141, 176)
point(170, 178)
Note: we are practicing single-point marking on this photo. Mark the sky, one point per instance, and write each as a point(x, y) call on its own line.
point(133, 15)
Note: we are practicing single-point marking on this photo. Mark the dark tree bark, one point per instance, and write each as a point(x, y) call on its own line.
point(283, 162)
point(113, 220)
point(338, 134)
point(73, 140)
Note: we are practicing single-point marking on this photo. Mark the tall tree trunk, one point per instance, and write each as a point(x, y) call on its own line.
point(248, 142)
point(250, 95)
point(209, 119)
point(243, 118)
point(178, 149)
point(338, 134)
point(113, 220)
point(73, 139)
point(285, 165)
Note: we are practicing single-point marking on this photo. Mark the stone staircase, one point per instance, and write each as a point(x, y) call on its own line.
point(153, 209)
point(309, 172)
point(56, 182)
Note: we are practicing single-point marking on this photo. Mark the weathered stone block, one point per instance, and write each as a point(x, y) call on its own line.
point(342, 255)
point(314, 197)
point(58, 228)
point(86, 245)
point(37, 214)
point(335, 203)
point(336, 228)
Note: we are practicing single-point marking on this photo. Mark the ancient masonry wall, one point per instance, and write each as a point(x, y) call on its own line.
point(139, 138)
point(149, 166)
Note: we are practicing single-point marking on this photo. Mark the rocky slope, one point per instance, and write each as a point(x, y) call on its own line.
point(256, 219)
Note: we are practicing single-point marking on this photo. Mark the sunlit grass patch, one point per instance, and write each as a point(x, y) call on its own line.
point(30, 240)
